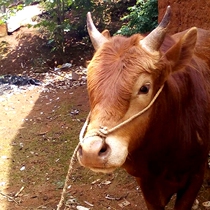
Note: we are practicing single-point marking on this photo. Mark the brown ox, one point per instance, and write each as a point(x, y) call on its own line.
point(149, 111)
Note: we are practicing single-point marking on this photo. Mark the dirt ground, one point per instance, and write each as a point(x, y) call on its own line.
point(39, 129)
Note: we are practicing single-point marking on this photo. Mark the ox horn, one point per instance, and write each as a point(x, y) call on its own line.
point(96, 37)
point(153, 41)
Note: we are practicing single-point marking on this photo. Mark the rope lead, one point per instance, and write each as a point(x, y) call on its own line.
point(103, 131)
point(64, 192)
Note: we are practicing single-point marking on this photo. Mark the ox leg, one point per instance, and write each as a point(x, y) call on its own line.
point(186, 196)
point(153, 207)
point(155, 200)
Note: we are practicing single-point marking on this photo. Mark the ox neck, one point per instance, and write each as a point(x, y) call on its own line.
point(104, 131)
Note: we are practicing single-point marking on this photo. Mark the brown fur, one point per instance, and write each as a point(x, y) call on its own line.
point(172, 155)
point(117, 66)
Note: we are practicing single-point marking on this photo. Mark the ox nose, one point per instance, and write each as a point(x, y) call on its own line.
point(93, 152)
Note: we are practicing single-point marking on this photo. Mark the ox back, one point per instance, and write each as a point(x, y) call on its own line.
point(149, 111)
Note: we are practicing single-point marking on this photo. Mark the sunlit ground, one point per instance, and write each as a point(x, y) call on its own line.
point(14, 110)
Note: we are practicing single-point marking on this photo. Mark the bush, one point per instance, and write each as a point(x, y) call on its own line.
point(6, 10)
point(56, 24)
point(141, 19)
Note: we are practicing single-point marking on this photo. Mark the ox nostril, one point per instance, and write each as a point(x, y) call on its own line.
point(104, 150)
point(94, 152)
point(80, 150)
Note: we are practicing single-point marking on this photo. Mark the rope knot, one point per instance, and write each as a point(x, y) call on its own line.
point(103, 130)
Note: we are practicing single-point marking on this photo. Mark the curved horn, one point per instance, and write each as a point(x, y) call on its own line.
point(153, 41)
point(96, 37)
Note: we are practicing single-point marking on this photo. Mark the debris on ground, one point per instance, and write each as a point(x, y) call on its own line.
point(82, 208)
point(59, 79)
point(63, 66)
point(18, 80)
point(124, 203)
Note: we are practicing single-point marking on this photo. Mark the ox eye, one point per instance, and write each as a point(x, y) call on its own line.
point(144, 89)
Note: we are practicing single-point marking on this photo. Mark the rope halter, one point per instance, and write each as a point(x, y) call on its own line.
point(104, 131)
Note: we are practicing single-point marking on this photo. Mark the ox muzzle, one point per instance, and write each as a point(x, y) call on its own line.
point(101, 150)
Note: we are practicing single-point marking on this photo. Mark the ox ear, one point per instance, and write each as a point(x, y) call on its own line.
point(181, 53)
point(106, 33)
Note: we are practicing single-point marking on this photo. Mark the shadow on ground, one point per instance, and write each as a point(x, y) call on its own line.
point(37, 150)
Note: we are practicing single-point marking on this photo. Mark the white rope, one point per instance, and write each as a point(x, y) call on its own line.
point(84, 127)
point(64, 192)
point(106, 131)
point(102, 132)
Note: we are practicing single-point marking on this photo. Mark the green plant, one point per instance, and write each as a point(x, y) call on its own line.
point(141, 19)
point(79, 11)
point(56, 23)
point(66, 16)
point(11, 10)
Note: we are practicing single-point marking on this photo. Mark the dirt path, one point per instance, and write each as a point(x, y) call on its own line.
point(39, 132)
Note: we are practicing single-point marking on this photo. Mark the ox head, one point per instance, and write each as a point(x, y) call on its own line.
point(123, 78)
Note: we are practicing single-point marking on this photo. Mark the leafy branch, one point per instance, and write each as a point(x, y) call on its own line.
point(141, 19)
